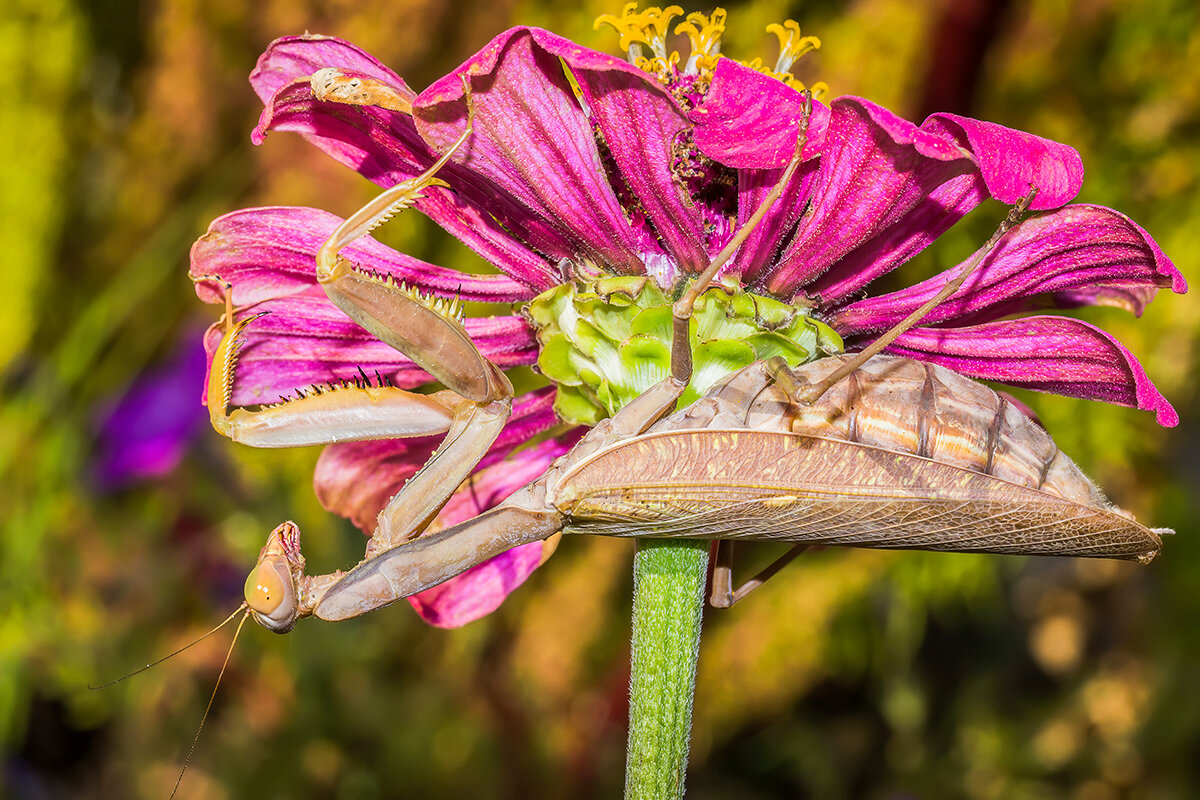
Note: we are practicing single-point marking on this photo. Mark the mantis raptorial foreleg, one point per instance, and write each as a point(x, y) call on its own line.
point(429, 331)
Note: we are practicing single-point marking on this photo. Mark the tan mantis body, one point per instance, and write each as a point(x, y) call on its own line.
point(871, 451)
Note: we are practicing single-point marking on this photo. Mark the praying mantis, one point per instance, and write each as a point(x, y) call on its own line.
point(862, 450)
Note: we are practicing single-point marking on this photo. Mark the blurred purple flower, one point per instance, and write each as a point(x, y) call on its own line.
point(627, 171)
point(147, 430)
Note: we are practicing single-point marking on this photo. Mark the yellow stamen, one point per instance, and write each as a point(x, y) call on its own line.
point(648, 27)
point(791, 44)
point(791, 47)
point(705, 34)
point(658, 66)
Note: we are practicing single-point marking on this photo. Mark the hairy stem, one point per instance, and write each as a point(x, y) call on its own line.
point(668, 598)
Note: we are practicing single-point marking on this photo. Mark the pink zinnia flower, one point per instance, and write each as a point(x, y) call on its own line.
point(647, 173)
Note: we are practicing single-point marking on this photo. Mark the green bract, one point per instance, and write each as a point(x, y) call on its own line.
point(606, 342)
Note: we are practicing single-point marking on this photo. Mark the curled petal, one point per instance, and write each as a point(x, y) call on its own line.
point(875, 169)
point(533, 141)
point(1048, 354)
point(374, 141)
point(1008, 162)
point(1077, 254)
point(293, 57)
point(1012, 162)
point(750, 120)
point(383, 145)
point(270, 252)
point(305, 339)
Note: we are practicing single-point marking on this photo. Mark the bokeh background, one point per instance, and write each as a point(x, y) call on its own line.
point(127, 526)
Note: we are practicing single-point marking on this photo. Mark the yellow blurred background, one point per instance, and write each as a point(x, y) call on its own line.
point(852, 674)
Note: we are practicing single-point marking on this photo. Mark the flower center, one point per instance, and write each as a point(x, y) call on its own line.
point(648, 28)
point(605, 342)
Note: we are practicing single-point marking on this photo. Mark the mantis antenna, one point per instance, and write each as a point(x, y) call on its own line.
point(188, 759)
point(196, 641)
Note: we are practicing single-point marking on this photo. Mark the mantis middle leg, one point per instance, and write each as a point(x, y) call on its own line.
point(722, 594)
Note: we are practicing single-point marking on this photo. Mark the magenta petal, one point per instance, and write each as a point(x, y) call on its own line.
point(1049, 354)
point(305, 339)
point(532, 141)
point(1077, 254)
point(639, 122)
point(875, 169)
point(896, 245)
point(270, 252)
point(750, 120)
point(1013, 161)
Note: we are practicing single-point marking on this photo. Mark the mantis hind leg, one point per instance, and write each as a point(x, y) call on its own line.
point(813, 393)
point(722, 594)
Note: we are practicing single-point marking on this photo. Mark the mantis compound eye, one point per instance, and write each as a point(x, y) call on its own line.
point(271, 595)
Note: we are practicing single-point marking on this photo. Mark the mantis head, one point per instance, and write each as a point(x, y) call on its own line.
point(272, 591)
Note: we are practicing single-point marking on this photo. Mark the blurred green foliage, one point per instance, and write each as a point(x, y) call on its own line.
point(853, 674)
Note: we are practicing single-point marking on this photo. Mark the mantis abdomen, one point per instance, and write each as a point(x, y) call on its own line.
point(901, 454)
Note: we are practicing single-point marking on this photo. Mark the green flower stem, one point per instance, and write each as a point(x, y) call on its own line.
point(668, 600)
